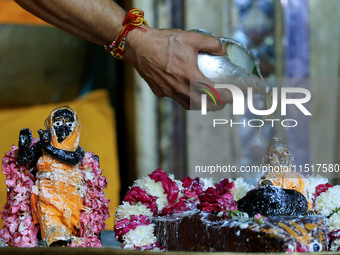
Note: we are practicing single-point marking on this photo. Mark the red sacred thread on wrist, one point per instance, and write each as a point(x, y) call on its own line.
point(133, 19)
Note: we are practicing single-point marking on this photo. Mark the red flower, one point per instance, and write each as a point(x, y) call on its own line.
point(181, 206)
point(320, 189)
point(137, 194)
point(147, 247)
point(170, 187)
point(332, 236)
point(210, 195)
point(302, 248)
point(225, 186)
point(192, 187)
point(209, 207)
point(226, 202)
point(218, 199)
point(125, 225)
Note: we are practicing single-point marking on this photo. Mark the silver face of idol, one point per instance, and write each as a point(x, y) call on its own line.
point(278, 154)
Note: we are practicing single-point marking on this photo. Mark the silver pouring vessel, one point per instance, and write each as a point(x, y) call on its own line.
point(238, 66)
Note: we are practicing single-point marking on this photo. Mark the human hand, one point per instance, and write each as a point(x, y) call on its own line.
point(167, 60)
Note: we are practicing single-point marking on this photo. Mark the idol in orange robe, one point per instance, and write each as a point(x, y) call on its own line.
point(57, 197)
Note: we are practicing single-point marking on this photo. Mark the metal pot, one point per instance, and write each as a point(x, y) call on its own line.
point(238, 66)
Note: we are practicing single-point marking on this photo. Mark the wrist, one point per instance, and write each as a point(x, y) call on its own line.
point(134, 41)
point(134, 20)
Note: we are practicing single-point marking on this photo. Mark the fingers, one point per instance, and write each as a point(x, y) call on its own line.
point(167, 60)
point(215, 99)
point(188, 92)
point(211, 45)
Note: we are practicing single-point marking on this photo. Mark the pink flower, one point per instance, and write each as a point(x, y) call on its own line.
point(147, 247)
point(210, 195)
point(13, 227)
point(225, 185)
point(218, 199)
point(10, 183)
point(137, 194)
point(302, 248)
point(92, 221)
point(209, 207)
point(226, 202)
point(332, 236)
point(192, 187)
point(125, 225)
point(5, 234)
point(258, 218)
point(181, 206)
point(170, 187)
point(102, 182)
point(320, 189)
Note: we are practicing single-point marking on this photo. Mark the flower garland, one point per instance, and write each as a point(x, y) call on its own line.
point(19, 230)
point(326, 202)
point(160, 194)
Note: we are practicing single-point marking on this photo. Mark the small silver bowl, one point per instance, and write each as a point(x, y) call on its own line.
point(238, 66)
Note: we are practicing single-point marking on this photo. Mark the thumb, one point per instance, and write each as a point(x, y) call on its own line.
point(212, 45)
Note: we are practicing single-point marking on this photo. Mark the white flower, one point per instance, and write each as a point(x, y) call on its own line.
point(178, 182)
point(35, 189)
point(154, 189)
point(172, 177)
point(208, 182)
point(241, 188)
point(328, 201)
point(335, 245)
point(311, 183)
point(142, 235)
point(333, 222)
point(125, 210)
point(180, 189)
point(88, 175)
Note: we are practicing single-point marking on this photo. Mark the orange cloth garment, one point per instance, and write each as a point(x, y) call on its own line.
point(98, 135)
point(59, 201)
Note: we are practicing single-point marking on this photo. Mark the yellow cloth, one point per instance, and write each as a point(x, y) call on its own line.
point(12, 13)
point(98, 135)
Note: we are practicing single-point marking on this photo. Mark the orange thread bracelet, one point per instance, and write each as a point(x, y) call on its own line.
point(133, 19)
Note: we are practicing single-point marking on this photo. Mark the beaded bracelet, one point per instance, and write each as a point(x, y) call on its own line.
point(133, 19)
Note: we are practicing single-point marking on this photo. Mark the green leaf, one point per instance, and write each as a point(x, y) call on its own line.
point(256, 71)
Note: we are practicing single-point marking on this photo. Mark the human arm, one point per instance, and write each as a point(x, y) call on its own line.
point(166, 59)
point(96, 21)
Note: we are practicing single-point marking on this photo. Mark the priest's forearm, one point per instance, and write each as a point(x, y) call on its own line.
point(97, 21)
